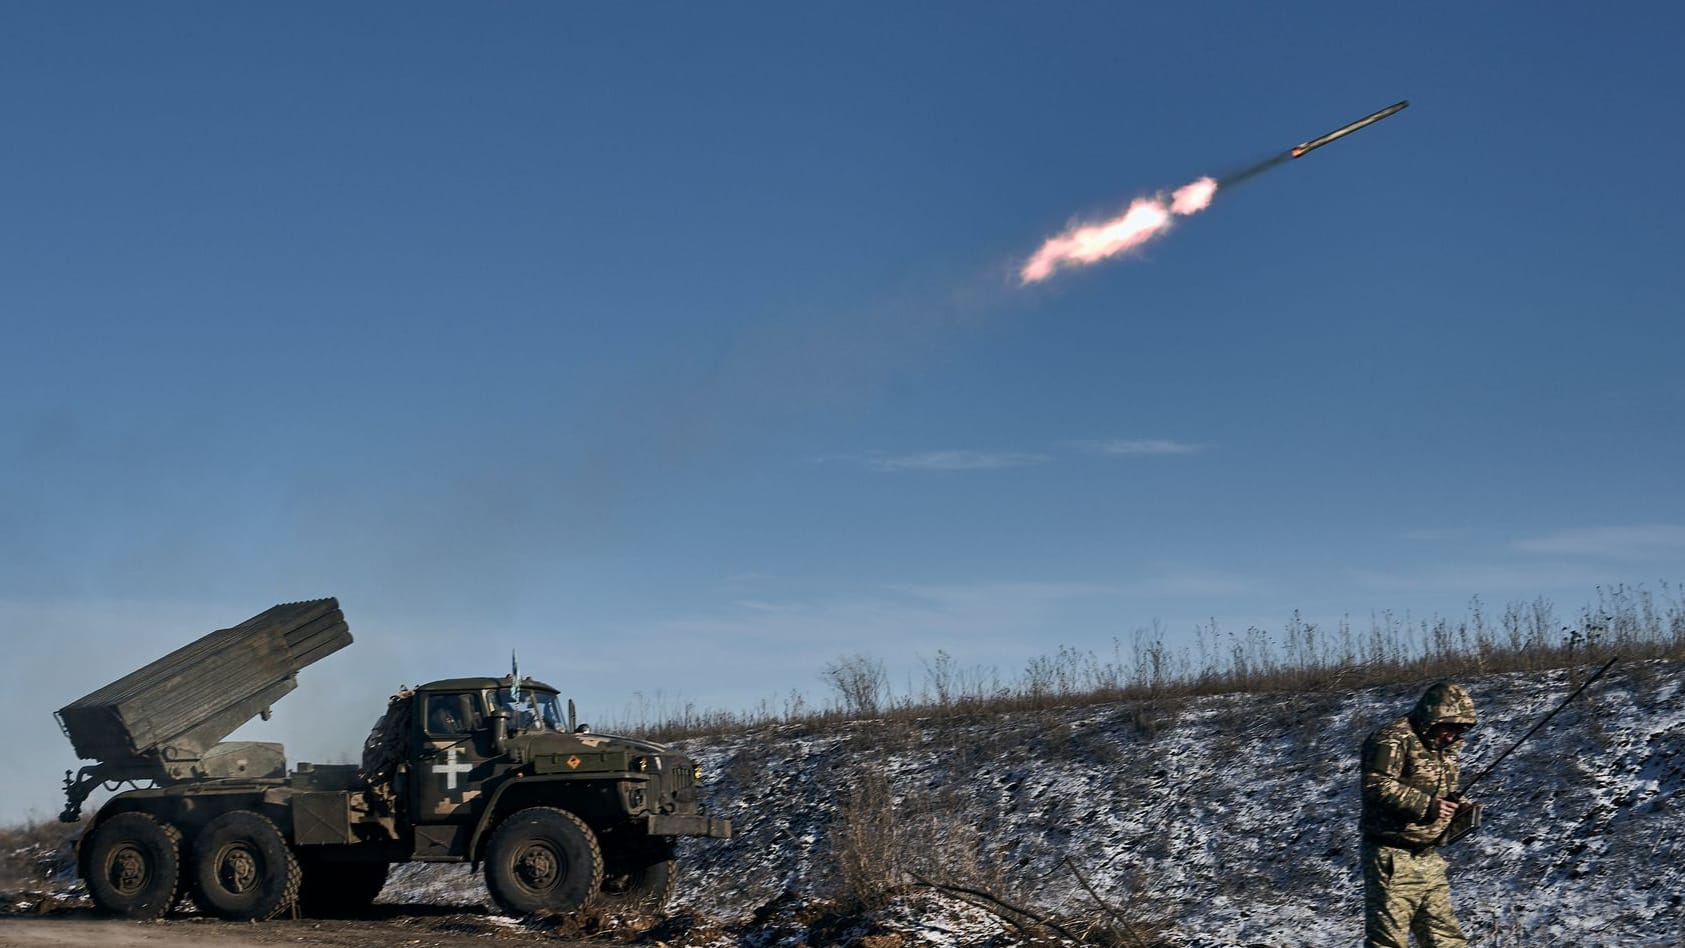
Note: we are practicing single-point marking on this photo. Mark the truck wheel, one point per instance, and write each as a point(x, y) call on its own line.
point(131, 864)
point(242, 868)
point(543, 860)
point(338, 889)
point(641, 880)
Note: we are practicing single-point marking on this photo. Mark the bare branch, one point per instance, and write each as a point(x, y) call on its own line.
point(1000, 907)
point(1129, 930)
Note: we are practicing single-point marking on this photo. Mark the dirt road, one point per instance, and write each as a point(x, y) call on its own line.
point(410, 927)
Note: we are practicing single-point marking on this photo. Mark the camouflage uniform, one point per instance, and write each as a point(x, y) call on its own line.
point(1404, 887)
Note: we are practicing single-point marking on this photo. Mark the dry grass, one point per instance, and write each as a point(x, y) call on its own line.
point(1156, 679)
point(867, 844)
point(34, 853)
point(893, 839)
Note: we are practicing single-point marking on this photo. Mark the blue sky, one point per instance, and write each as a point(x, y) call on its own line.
point(679, 349)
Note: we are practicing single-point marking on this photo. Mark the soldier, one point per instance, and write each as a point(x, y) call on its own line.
point(442, 718)
point(1409, 780)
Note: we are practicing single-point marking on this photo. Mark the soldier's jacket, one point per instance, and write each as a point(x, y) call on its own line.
point(1402, 775)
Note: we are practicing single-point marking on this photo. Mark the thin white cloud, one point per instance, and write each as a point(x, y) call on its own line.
point(1436, 535)
point(764, 605)
point(1193, 583)
point(1639, 542)
point(1152, 447)
point(951, 461)
point(1175, 582)
point(1486, 579)
point(999, 597)
point(958, 460)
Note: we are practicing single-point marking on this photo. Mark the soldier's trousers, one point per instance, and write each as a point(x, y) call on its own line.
point(1407, 894)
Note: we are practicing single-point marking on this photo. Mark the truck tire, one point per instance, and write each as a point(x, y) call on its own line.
point(131, 864)
point(541, 861)
point(332, 889)
point(641, 880)
point(243, 869)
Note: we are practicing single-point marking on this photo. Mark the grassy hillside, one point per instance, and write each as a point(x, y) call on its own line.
point(1214, 820)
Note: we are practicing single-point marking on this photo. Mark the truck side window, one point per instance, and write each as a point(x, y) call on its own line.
point(450, 714)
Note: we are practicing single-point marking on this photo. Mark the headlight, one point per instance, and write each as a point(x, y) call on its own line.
point(696, 773)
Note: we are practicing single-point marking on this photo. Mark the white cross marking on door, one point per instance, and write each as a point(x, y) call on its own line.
point(450, 768)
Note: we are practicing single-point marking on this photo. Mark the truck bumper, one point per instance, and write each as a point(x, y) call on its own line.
point(688, 825)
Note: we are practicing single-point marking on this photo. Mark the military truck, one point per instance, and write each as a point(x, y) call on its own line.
point(488, 771)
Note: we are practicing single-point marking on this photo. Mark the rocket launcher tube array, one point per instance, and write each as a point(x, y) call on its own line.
point(180, 705)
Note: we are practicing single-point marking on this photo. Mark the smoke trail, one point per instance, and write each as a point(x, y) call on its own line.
point(1145, 219)
point(1230, 180)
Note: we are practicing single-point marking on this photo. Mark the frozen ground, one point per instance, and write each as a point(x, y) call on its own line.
point(1232, 818)
point(1236, 814)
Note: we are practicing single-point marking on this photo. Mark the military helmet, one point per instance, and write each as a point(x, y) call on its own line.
point(1444, 703)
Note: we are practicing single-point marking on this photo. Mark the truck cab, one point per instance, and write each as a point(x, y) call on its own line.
point(479, 746)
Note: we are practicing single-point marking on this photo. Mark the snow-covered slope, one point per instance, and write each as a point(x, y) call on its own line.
point(1233, 816)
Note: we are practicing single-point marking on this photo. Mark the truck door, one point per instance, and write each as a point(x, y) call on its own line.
point(452, 761)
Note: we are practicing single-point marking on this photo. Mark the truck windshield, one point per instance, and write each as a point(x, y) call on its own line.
point(533, 710)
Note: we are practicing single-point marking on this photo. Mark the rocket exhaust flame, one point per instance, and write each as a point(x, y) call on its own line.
point(1149, 217)
point(1145, 219)
point(1193, 197)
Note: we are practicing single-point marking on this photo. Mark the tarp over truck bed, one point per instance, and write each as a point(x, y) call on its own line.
point(178, 706)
